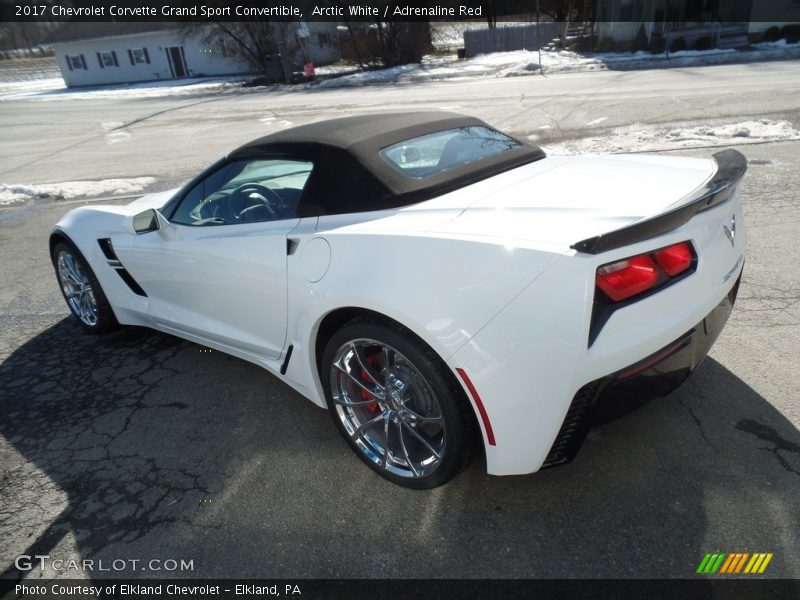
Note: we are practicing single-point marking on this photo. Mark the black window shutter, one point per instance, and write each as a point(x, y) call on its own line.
point(146, 56)
point(114, 58)
point(130, 56)
point(100, 61)
point(69, 63)
point(83, 61)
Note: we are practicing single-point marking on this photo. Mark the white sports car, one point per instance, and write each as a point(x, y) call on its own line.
point(434, 282)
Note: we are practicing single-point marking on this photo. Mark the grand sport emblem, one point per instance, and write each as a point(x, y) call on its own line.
point(730, 233)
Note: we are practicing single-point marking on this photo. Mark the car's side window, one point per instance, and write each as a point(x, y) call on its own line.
point(246, 191)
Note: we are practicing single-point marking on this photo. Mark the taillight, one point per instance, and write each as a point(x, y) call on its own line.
point(626, 278)
point(674, 259)
point(632, 276)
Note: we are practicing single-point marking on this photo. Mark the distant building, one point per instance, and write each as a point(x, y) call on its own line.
point(712, 23)
point(119, 52)
point(317, 41)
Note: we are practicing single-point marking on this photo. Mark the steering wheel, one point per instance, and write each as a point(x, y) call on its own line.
point(266, 199)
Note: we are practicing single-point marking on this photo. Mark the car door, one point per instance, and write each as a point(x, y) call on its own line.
point(218, 270)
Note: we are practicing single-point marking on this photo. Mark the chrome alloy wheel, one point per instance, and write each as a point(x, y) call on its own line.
point(387, 408)
point(77, 288)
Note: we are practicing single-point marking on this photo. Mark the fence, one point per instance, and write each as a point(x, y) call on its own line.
point(506, 39)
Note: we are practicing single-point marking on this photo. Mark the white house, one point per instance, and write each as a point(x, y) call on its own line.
point(120, 52)
point(103, 53)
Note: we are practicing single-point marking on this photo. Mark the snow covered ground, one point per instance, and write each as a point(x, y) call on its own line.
point(560, 61)
point(54, 89)
point(511, 64)
point(651, 138)
point(11, 194)
point(432, 68)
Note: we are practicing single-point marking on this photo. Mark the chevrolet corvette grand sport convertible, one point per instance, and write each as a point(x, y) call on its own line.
point(440, 286)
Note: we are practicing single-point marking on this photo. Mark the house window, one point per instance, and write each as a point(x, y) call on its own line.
point(139, 56)
point(107, 59)
point(76, 61)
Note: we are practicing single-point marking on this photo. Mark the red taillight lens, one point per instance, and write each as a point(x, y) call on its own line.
point(674, 259)
point(627, 278)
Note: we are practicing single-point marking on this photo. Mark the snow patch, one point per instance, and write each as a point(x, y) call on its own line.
point(54, 89)
point(645, 138)
point(117, 136)
point(16, 193)
point(114, 132)
point(22, 88)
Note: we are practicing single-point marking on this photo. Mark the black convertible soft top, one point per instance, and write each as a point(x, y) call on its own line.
point(351, 176)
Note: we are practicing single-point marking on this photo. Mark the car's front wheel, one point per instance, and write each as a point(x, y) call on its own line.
point(81, 290)
point(397, 404)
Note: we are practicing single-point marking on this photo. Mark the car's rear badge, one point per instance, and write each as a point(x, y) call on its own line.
point(730, 273)
point(730, 233)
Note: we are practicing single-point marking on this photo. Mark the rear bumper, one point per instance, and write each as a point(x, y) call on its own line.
point(629, 388)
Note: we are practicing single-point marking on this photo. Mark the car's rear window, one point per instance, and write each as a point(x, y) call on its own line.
point(436, 152)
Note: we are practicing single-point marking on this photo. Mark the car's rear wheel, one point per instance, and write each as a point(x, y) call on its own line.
point(81, 290)
point(397, 404)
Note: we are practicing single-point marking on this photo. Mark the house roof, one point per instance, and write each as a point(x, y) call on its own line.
point(78, 30)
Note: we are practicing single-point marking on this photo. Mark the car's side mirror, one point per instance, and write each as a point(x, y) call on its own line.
point(145, 222)
point(151, 220)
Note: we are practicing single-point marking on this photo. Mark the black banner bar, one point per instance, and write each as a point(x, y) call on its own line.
point(379, 10)
point(406, 589)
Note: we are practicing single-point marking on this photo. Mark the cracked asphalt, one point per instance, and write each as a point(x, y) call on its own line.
point(141, 446)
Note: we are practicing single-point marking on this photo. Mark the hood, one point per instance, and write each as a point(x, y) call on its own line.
point(109, 218)
point(561, 200)
point(156, 200)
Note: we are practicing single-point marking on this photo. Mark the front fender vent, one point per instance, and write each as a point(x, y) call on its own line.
point(107, 248)
point(108, 251)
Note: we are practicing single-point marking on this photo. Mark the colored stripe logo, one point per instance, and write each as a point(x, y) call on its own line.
point(732, 563)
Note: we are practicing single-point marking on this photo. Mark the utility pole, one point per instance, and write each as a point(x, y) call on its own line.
point(287, 70)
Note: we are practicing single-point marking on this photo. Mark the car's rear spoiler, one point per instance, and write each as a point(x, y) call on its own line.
point(731, 166)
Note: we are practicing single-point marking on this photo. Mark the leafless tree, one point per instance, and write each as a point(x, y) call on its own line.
point(403, 42)
point(24, 36)
point(256, 42)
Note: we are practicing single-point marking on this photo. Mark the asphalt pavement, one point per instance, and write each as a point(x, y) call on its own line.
point(140, 446)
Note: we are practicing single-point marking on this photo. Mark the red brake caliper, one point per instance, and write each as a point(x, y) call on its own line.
point(372, 407)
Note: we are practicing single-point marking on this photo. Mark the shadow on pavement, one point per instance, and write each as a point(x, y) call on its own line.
point(141, 446)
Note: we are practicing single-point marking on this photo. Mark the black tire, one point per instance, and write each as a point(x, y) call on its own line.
point(441, 390)
point(99, 317)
